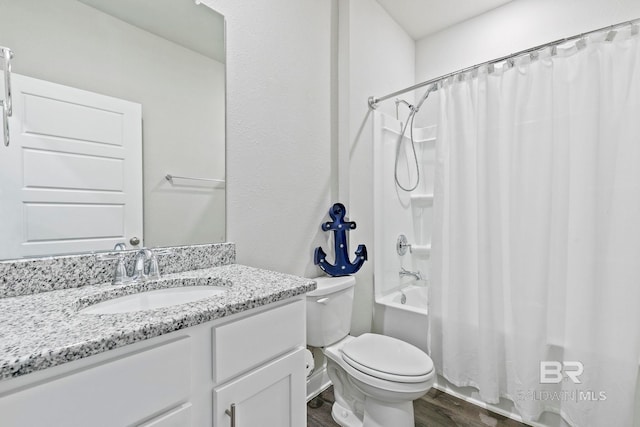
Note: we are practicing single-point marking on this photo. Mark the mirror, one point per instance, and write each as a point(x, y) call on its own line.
point(110, 97)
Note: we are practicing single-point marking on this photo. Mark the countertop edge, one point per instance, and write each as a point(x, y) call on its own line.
point(38, 361)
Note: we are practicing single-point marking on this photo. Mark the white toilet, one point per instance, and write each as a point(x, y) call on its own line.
point(375, 378)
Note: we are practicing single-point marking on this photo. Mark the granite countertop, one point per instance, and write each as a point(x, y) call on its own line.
point(46, 329)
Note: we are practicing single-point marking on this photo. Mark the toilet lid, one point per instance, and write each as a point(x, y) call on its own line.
point(387, 358)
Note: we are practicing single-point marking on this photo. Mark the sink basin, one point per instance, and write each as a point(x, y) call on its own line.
point(151, 300)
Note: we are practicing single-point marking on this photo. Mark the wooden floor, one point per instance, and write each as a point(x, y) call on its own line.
point(435, 409)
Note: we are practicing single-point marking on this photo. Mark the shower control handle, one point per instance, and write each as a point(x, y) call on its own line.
point(402, 244)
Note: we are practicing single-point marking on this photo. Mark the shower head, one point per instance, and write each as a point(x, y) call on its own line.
point(432, 88)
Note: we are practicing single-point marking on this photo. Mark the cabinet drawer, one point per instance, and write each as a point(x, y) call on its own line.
point(116, 392)
point(246, 343)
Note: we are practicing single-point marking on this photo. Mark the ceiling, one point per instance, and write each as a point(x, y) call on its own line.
point(419, 18)
point(184, 22)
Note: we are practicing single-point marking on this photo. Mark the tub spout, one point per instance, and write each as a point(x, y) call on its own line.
point(405, 272)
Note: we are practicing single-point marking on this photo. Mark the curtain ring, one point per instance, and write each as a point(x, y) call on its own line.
point(581, 44)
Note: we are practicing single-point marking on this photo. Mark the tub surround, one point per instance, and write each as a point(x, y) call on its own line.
point(41, 329)
point(406, 321)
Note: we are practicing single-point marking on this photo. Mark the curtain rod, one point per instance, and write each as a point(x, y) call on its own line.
point(373, 101)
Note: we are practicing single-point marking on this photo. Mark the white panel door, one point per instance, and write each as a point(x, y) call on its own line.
point(71, 179)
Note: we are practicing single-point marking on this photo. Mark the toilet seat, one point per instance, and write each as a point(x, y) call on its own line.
point(388, 359)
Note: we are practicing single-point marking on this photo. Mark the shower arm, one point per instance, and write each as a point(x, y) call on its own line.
point(402, 101)
point(414, 108)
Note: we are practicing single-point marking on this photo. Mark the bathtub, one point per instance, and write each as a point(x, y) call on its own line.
point(403, 314)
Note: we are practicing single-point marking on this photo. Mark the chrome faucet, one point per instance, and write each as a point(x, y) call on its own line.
point(145, 265)
point(405, 272)
point(140, 270)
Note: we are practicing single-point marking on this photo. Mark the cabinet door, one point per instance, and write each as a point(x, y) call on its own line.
point(273, 395)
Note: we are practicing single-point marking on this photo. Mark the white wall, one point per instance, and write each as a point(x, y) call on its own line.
point(515, 26)
point(279, 129)
point(377, 58)
point(282, 162)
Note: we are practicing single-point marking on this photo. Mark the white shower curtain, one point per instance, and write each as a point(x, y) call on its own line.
point(536, 248)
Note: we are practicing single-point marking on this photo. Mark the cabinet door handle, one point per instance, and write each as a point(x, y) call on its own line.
point(232, 413)
point(322, 300)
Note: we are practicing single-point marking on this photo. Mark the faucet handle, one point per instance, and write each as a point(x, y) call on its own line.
point(154, 269)
point(139, 264)
point(120, 272)
point(402, 245)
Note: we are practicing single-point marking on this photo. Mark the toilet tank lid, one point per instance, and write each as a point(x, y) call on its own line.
point(328, 285)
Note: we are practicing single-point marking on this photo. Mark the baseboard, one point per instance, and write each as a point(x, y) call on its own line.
point(317, 382)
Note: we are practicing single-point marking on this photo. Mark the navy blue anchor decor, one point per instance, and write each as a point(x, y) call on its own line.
point(342, 267)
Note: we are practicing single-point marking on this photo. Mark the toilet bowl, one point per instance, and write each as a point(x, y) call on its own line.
point(375, 377)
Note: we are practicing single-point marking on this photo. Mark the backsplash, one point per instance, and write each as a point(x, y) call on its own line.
point(34, 275)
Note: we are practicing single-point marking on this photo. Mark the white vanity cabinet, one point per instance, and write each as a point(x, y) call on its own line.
point(272, 394)
point(267, 396)
point(252, 360)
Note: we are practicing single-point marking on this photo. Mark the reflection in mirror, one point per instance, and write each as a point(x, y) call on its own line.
point(111, 96)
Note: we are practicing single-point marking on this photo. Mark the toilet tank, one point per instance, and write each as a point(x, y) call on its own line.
point(329, 310)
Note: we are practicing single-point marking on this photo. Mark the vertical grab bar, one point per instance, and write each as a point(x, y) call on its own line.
point(6, 103)
point(5, 123)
